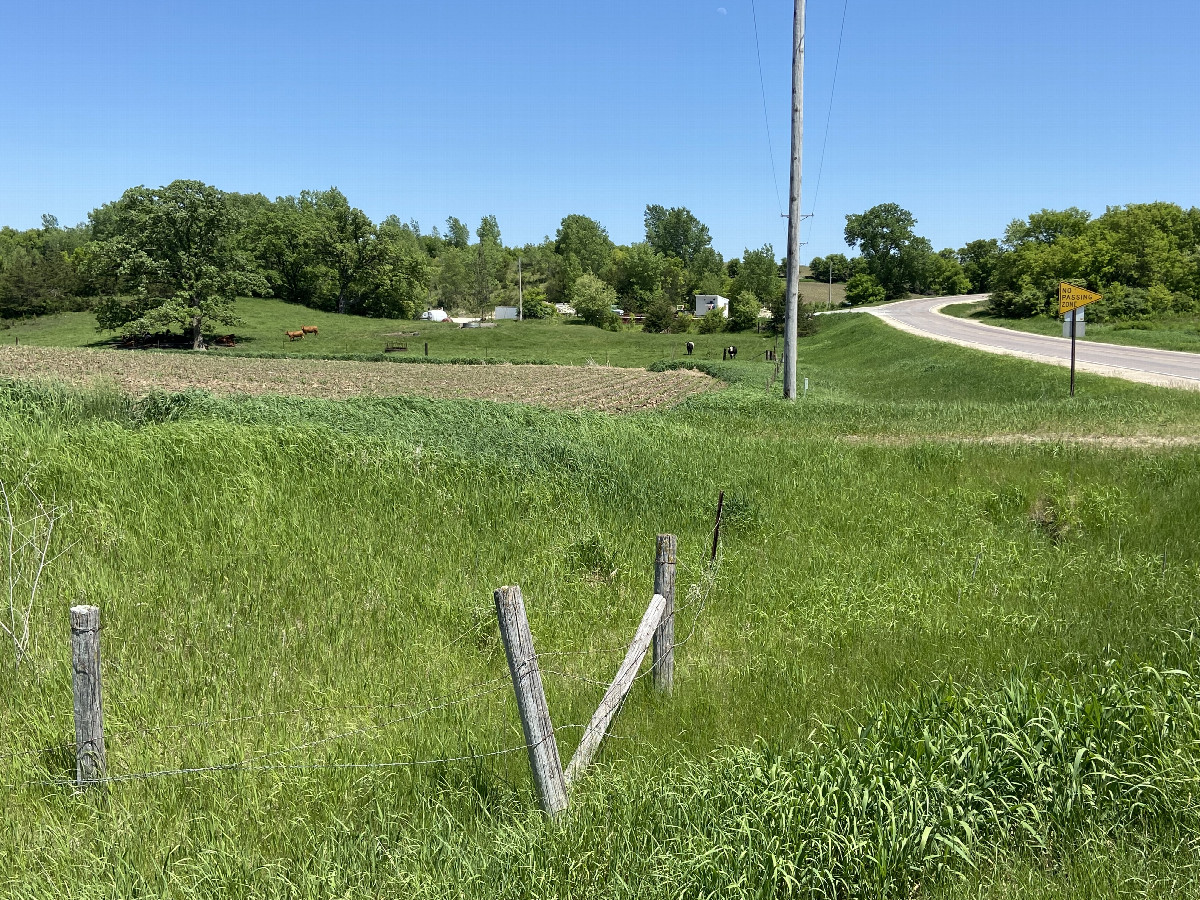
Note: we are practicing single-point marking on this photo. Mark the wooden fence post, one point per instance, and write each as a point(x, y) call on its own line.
point(85, 682)
point(664, 635)
point(615, 695)
point(544, 761)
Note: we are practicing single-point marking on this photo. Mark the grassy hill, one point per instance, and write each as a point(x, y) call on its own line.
point(935, 545)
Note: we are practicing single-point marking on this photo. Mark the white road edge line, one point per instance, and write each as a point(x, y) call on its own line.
point(1129, 373)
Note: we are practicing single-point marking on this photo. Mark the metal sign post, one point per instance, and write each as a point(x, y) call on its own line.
point(1070, 300)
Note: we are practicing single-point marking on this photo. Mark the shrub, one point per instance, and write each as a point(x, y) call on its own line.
point(743, 312)
point(712, 322)
point(593, 301)
point(534, 305)
point(864, 288)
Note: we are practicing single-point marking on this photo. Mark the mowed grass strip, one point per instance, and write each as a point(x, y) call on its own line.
point(558, 387)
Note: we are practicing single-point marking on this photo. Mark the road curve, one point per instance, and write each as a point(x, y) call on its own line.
point(922, 317)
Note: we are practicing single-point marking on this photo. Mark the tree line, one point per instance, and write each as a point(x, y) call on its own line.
point(175, 258)
point(1143, 257)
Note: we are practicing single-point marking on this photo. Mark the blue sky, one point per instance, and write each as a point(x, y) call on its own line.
point(966, 113)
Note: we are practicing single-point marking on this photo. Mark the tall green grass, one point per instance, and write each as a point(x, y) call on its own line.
point(274, 572)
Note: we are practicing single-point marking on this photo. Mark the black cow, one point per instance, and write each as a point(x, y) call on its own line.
point(690, 347)
point(729, 353)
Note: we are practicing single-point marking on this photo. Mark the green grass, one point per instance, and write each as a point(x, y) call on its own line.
point(555, 341)
point(265, 555)
point(1175, 332)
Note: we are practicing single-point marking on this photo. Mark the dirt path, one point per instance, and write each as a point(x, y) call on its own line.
point(559, 387)
point(1107, 441)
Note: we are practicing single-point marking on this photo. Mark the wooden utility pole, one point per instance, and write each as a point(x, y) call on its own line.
point(520, 293)
point(664, 635)
point(544, 761)
point(792, 309)
point(85, 684)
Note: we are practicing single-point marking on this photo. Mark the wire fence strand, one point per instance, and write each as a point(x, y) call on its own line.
point(698, 597)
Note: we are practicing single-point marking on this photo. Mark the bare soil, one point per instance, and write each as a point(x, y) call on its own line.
point(560, 387)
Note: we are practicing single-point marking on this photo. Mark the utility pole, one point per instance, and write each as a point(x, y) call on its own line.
point(520, 293)
point(829, 302)
point(793, 241)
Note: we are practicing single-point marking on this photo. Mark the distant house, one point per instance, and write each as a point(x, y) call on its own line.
point(505, 312)
point(708, 302)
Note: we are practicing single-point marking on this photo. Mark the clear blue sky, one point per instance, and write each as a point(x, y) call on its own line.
point(967, 113)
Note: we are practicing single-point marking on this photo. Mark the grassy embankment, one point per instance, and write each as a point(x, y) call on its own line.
point(1175, 332)
point(279, 572)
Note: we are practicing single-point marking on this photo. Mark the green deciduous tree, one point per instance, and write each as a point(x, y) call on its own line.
point(637, 274)
point(892, 253)
point(842, 267)
point(175, 249)
point(943, 275)
point(586, 240)
point(758, 274)
point(979, 260)
point(676, 232)
point(593, 301)
point(458, 235)
point(283, 236)
point(398, 284)
point(344, 241)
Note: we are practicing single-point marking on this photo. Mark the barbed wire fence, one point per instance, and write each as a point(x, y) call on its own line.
point(699, 595)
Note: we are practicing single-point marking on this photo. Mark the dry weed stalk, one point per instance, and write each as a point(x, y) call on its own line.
point(27, 550)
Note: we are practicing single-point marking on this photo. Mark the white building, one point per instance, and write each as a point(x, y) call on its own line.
point(505, 312)
point(707, 302)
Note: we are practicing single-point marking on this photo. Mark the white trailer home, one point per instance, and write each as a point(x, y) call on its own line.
point(707, 302)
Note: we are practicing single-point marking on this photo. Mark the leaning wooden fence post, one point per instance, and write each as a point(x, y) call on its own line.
point(610, 705)
point(544, 761)
point(85, 682)
point(664, 635)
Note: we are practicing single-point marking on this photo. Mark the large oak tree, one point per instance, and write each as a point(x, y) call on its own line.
point(174, 253)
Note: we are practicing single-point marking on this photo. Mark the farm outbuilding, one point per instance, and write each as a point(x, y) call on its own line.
point(708, 302)
point(505, 312)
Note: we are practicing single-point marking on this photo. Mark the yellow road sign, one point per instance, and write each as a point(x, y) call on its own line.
point(1071, 297)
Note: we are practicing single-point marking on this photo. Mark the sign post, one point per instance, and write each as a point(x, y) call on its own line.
point(1070, 299)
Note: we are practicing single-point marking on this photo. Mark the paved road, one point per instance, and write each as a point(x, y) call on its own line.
point(1163, 367)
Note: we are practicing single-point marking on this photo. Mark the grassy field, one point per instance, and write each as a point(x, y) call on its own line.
point(1163, 333)
point(297, 585)
point(554, 341)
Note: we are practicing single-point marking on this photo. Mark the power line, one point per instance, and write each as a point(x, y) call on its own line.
point(829, 116)
point(766, 119)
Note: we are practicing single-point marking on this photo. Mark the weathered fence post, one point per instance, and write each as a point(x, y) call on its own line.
point(664, 635)
point(544, 761)
point(85, 682)
point(717, 527)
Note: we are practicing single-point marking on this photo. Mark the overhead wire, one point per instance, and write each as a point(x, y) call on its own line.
point(766, 119)
point(829, 115)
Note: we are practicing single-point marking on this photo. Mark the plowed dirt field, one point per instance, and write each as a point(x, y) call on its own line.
point(560, 387)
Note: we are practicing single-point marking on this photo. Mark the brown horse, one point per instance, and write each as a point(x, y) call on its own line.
point(309, 329)
point(294, 335)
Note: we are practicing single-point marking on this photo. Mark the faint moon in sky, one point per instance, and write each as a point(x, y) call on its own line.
point(721, 10)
